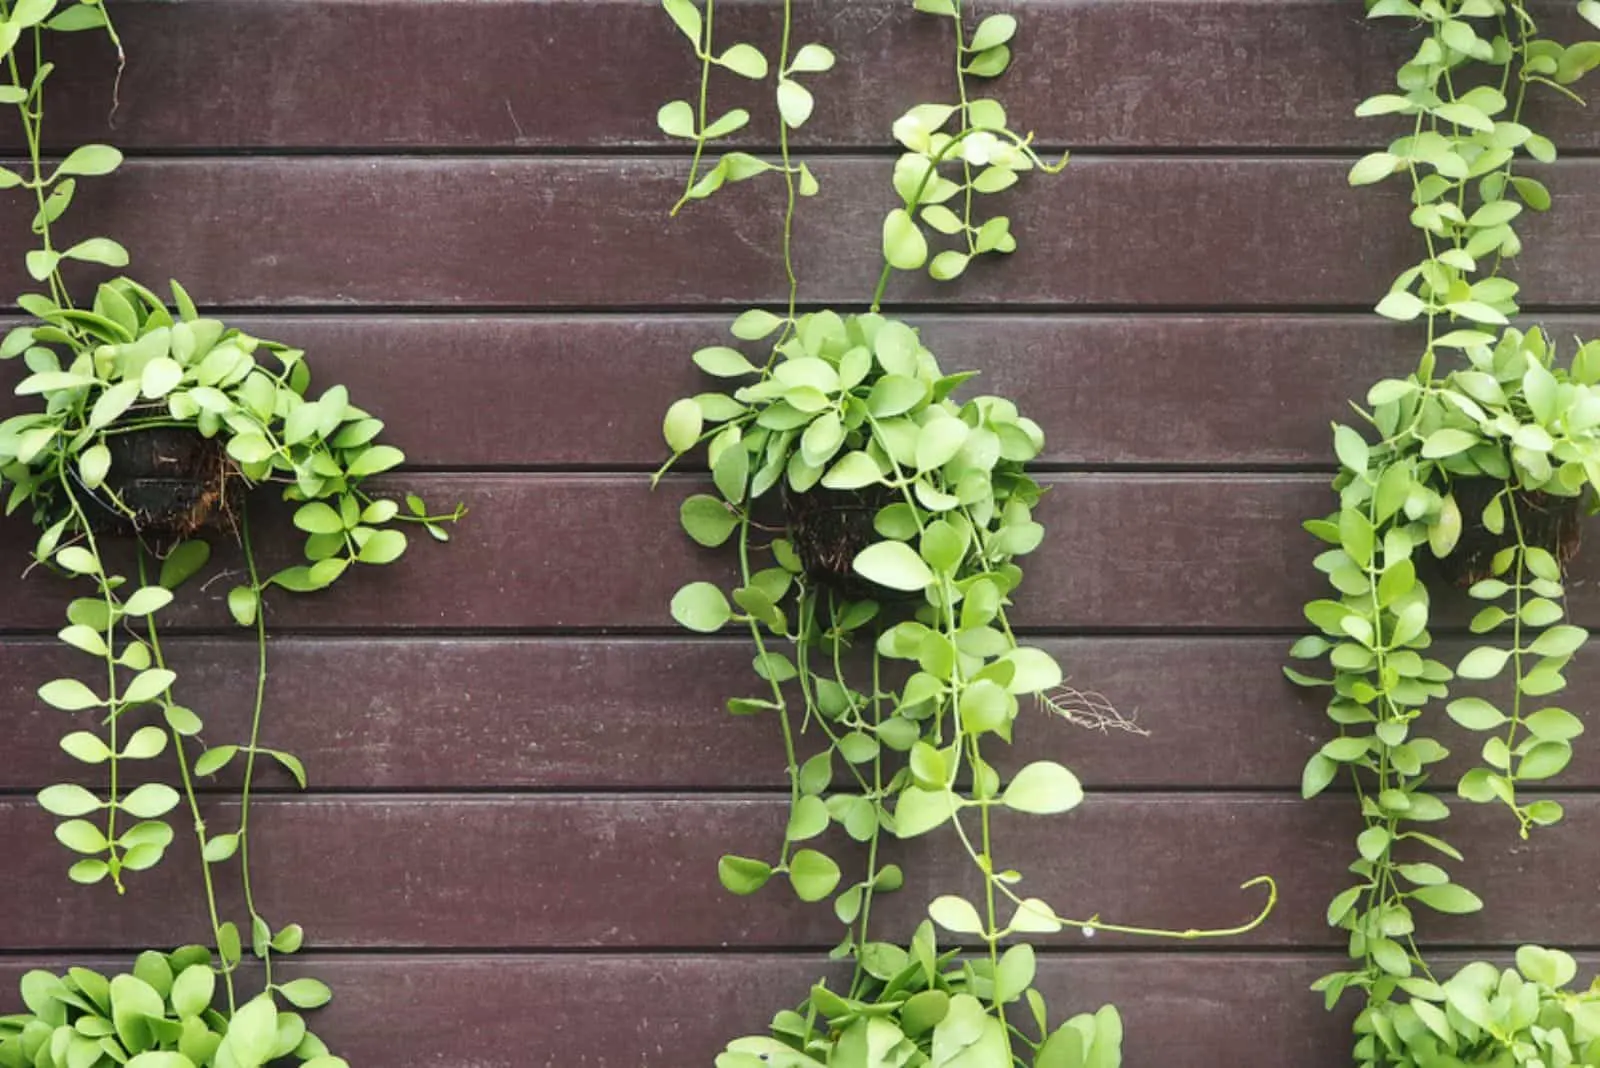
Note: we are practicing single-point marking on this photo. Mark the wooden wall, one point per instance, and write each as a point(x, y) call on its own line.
point(521, 773)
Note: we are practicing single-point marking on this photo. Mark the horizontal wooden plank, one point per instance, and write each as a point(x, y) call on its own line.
point(566, 714)
point(573, 73)
point(595, 386)
point(657, 1011)
point(544, 552)
point(541, 714)
point(1123, 232)
point(585, 872)
point(564, 551)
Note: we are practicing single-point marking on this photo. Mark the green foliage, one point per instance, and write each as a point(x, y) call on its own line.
point(164, 1014)
point(1523, 1016)
point(130, 366)
point(832, 414)
point(920, 1006)
point(1484, 466)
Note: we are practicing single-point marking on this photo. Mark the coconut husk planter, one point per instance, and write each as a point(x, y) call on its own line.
point(828, 528)
point(1549, 522)
point(174, 480)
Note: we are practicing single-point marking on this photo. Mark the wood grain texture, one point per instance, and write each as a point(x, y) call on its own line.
point(563, 714)
point(498, 872)
point(1127, 552)
point(1180, 391)
point(541, 74)
point(1242, 233)
point(652, 1011)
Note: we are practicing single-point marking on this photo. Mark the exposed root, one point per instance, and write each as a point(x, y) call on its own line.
point(1089, 710)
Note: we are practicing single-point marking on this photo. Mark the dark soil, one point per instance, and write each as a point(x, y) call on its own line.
point(828, 528)
point(1548, 522)
point(175, 481)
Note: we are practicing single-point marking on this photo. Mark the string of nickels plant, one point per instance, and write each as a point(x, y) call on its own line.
point(1501, 436)
point(129, 364)
point(852, 407)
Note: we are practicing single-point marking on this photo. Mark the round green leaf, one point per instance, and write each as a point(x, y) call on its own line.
point(904, 247)
point(193, 990)
point(794, 103)
point(1035, 671)
point(919, 811)
point(306, 993)
point(382, 547)
point(1043, 787)
point(808, 818)
point(853, 471)
point(707, 520)
point(151, 800)
point(701, 607)
point(243, 604)
point(1483, 662)
point(146, 601)
point(1475, 714)
point(813, 875)
point(1448, 898)
point(69, 695)
point(146, 743)
point(87, 747)
point(956, 914)
point(893, 564)
point(741, 875)
point(723, 362)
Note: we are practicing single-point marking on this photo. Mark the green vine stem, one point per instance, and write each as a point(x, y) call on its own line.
point(1468, 462)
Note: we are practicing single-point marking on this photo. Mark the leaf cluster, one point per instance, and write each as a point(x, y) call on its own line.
point(925, 1008)
point(1522, 1016)
point(165, 1013)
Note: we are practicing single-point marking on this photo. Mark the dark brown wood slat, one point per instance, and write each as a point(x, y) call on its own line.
point(1171, 390)
point(562, 551)
point(574, 73)
point(584, 872)
point(563, 714)
point(1145, 552)
point(1240, 233)
point(648, 714)
point(652, 1012)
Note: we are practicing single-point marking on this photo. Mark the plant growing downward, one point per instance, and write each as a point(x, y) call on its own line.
point(1476, 466)
point(880, 617)
point(153, 422)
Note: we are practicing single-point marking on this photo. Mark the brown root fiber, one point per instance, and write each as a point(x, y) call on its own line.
point(828, 528)
point(1548, 522)
point(172, 480)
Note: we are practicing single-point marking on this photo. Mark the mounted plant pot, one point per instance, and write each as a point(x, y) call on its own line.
point(1548, 522)
point(828, 528)
point(173, 480)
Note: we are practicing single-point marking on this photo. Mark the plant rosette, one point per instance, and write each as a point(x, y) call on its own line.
point(1514, 421)
point(924, 1007)
point(129, 368)
point(858, 408)
point(1484, 1016)
point(162, 1014)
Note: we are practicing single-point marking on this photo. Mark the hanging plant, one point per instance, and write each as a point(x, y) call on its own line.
point(152, 425)
point(1475, 473)
point(878, 519)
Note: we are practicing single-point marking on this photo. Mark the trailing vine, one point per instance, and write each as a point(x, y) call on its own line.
point(151, 423)
point(1486, 462)
point(877, 522)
